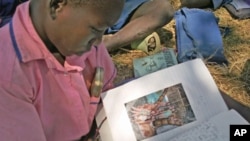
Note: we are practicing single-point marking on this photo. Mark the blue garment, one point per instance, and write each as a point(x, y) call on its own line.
point(198, 36)
point(129, 7)
point(239, 9)
point(7, 9)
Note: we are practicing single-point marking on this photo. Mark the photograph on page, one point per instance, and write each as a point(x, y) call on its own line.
point(159, 112)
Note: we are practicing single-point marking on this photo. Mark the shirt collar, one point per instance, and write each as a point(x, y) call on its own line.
point(29, 44)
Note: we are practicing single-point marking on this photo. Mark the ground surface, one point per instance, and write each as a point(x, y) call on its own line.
point(233, 79)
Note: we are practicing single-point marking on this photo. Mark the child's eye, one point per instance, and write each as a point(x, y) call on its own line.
point(95, 30)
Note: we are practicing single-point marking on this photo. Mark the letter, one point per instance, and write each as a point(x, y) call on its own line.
point(243, 131)
point(237, 133)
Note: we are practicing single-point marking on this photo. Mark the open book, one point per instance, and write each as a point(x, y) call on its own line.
point(178, 103)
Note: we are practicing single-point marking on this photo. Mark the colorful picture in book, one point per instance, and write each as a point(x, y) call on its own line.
point(159, 112)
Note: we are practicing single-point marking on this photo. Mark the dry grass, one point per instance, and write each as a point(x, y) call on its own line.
point(233, 79)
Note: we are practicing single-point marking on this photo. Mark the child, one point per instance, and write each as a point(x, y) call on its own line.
point(54, 68)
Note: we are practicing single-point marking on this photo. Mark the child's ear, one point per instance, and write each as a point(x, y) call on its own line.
point(56, 6)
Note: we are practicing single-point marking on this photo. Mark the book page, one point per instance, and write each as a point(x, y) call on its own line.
point(102, 123)
point(178, 96)
point(215, 129)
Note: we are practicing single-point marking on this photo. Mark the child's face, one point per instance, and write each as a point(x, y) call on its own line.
point(77, 28)
point(151, 44)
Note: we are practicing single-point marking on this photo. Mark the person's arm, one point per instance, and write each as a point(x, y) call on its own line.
point(146, 19)
point(19, 118)
point(233, 104)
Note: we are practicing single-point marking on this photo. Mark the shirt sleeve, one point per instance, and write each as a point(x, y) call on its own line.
point(19, 118)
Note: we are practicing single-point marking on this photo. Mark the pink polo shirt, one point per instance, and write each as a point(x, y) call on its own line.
point(39, 98)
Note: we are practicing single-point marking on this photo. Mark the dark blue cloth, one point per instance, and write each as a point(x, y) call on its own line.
point(7, 9)
point(198, 36)
point(129, 7)
point(243, 13)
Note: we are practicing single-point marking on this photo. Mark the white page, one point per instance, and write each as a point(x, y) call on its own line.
point(198, 84)
point(102, 123)
point(216, 129)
